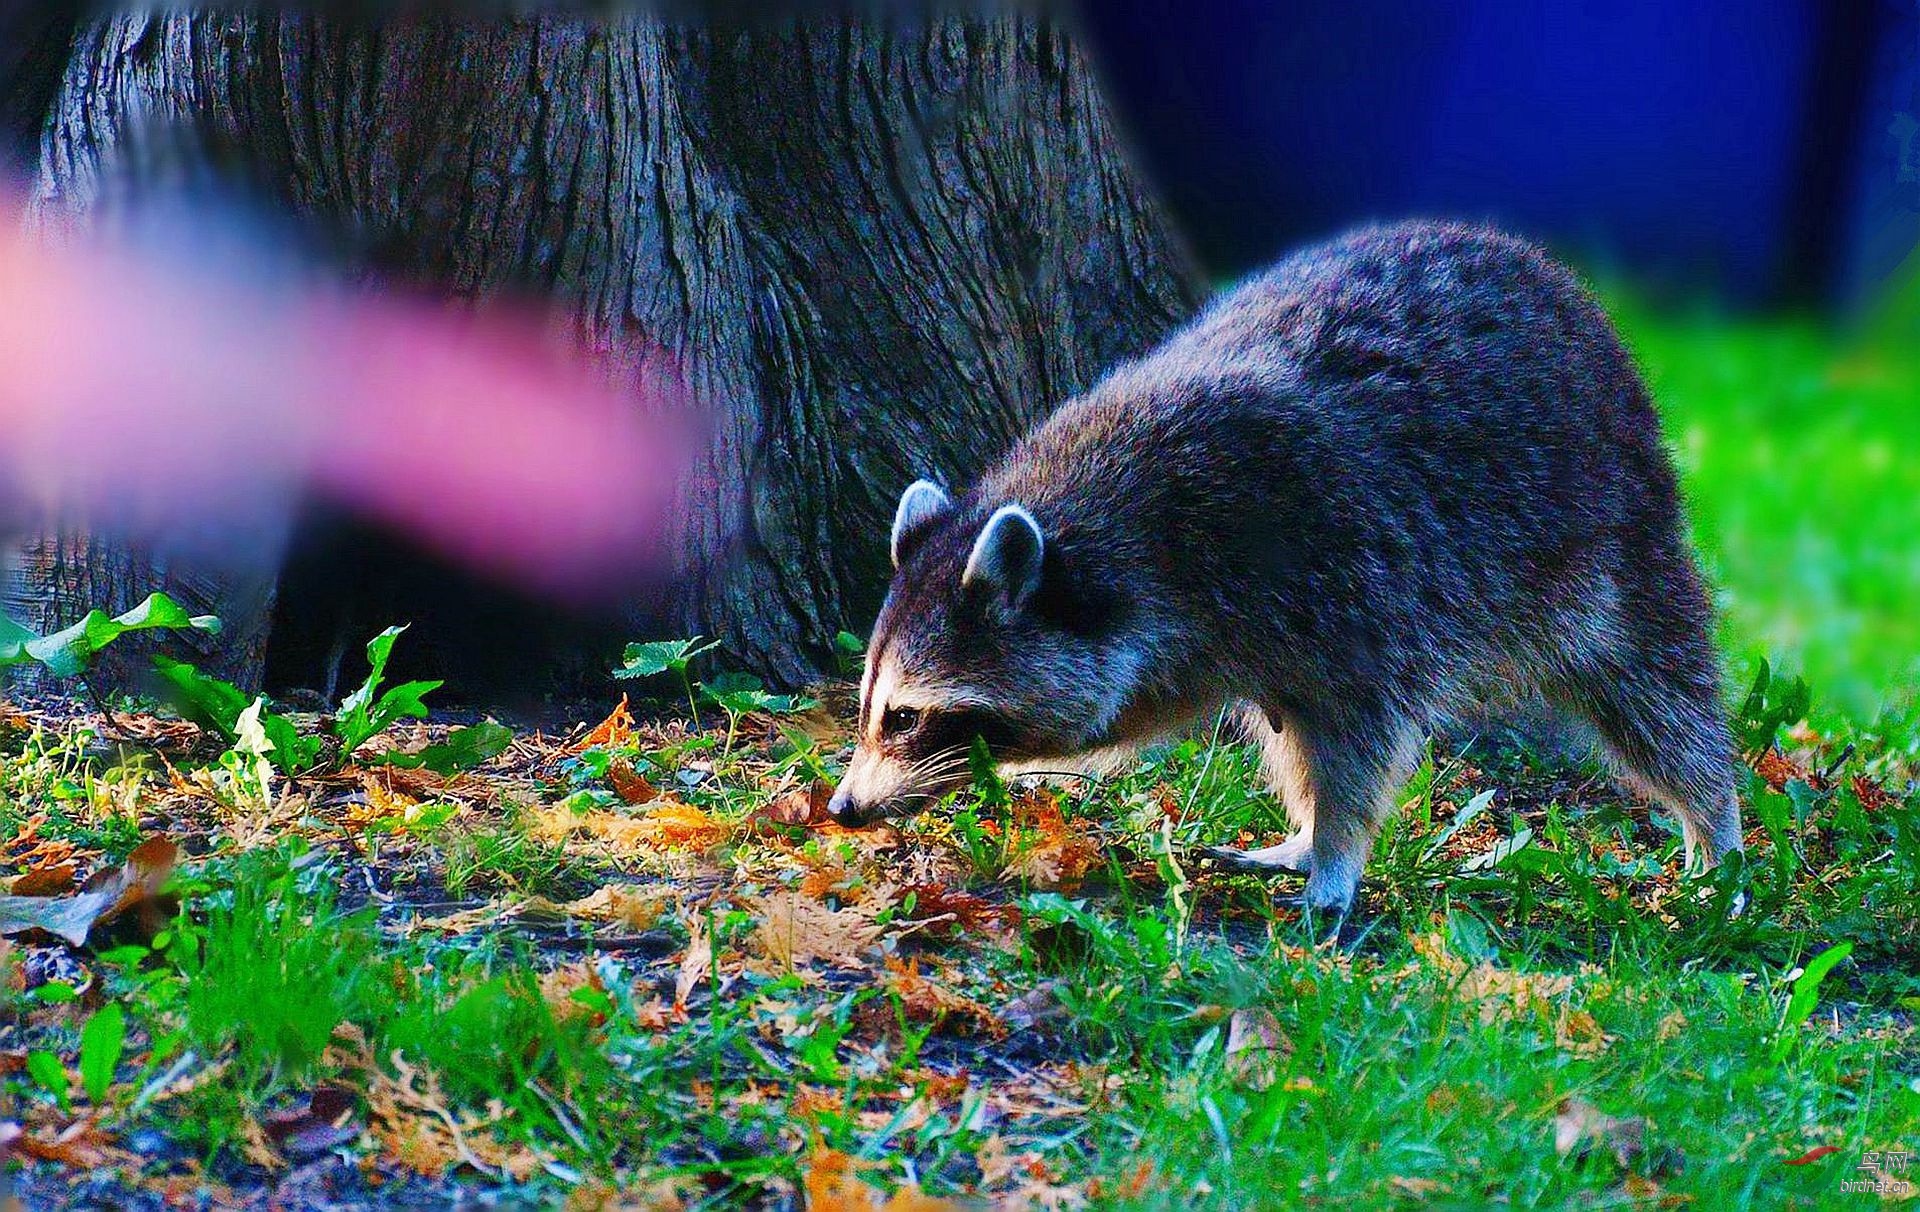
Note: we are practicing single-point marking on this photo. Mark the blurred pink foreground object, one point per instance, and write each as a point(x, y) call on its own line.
point(156, 399)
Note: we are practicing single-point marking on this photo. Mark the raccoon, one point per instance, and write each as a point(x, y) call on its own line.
point(1391, 476)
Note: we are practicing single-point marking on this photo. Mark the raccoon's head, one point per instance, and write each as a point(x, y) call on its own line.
point(991, 629)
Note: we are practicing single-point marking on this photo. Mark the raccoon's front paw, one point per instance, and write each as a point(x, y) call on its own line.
point(1295, 854)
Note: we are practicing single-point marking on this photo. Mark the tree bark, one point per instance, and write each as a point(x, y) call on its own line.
point(879, 250)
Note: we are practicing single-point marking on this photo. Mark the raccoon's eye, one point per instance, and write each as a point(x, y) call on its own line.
point(898, 721)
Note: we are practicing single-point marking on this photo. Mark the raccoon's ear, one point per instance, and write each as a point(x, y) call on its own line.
point(1006, 557)
point(921, 502)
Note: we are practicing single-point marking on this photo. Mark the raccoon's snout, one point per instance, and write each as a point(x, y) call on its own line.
point(842, 809)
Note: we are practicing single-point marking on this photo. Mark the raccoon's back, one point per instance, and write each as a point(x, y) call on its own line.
point(1420, 409)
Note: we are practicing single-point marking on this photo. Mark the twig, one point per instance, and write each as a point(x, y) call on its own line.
point(173, 1073)
point(559, 1113)
point(106, 712)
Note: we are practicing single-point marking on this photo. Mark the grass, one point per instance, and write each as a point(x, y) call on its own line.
point(620, 965)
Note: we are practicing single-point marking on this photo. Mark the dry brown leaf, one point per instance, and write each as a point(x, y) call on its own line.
point(1872, 796)
point(1778, 770)
point(667, 823)
point(1579, 1127)
point(801, 808)
point(925, 1001)
point(324, 1122)
point(1053, 854)
point(1500, 993)
point(696, 962)
point(1257, 1049)
point(943, 911)
point(28, 848)
point(630, 785)
point(833, 1183)
point(557, 989)
point(1670, 1026)
point(636, 906)
point(83, 1144)
point(1579, 1033)
point(43, 881)
point(104, 897)
point(416, 1128)
point(663, 1195)
point(1418, 1188)
point(610, 733)
point(1023, 1180)
point(794, 930)
point(384, 802)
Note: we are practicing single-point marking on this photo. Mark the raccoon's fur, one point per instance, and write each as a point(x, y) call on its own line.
point(1390, 476)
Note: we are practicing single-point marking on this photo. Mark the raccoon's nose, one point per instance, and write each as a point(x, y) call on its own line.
point(842, 809)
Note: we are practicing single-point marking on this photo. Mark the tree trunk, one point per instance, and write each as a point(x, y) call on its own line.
point(880, 250)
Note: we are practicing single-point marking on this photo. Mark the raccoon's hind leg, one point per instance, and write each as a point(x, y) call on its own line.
point(1660, 718)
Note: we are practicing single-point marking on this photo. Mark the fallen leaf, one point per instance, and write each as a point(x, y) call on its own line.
point(1777, 769)
point(1022, 1180)
point(410, 1117)
point(43, 881)
point(1257, 1049)
point(1813, 1155)
point(1579, 1033)
point(27, 847)
point(630, 785)
point(696, 962)
point(1419, 1188)
point(83, 1144)
point(925, 1001)
point(1580, 1127)
point(944, 911)
point(559, 988)
point(666, 823)
point(325, 1122)
point(1643, 1190)
point(833, 1183)
point(661, 1195)
point(611, 733)
point(794, 930)
point(107, 895)
point(638, 907)
point(1501, 993)
point(1036, 1007)
point(1872, 796)
point(801, 808)
point(384, 802)
point(1055, 855)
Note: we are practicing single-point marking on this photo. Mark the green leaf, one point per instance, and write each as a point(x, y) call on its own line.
point(13, 642)
point(45, 1068)
point(736, 692)
point(1805, 995)
point(1770, 705)
point(208, 701)
point(849, 644)
point(101, 1042)
point(353, 723)
point(361, 717)
point(986, 774)
point(1806, 986)
point(69, 652)
point(403, 702)
point(658, 656)
point(464, 749)
point(218, 704)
